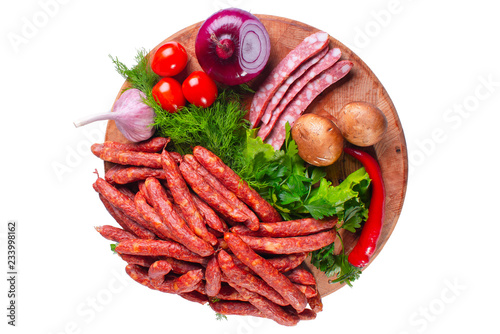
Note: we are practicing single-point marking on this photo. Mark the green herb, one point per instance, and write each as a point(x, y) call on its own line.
point(220, 316)
point(141, 76)
point(113, 247)
point(297, 191)
point(219, 128)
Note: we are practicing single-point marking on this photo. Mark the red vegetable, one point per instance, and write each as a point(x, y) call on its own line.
point(367, 243)
point(232, 46)
point(169, 60)
point(199, 89)
point(168, 92)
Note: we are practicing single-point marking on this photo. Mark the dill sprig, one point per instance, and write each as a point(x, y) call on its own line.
point(140, 76)
point(220, 127)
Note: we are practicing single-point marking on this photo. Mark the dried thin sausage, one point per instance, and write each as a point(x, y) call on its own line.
point(143, 261)
point(268, 308)
point(134, 174)
point(159, 269)
point(247, 280)
point(114, 233)
point(211, 196)
point(176, 224)
point(236, 184)
point(289, 228)
point(290, 245)
point(125, 222)
point(252, 222)
point(211, 218)
point(182, 197)
point(124, 157)
point(266, 271)
point(212, 277)
point(181, 267)
point(158, 248)
point(301, 276)
point(149, 214)
point(152, 145)
point(236, 308)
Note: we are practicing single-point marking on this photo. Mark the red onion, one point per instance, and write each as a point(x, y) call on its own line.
point(232, 46)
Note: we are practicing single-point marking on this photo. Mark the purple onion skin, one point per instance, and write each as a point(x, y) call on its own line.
point(252, 46)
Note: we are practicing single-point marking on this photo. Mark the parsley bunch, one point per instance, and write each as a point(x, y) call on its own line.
point(298, 191)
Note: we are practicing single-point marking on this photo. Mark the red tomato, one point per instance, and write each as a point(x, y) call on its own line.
point(170, 59)
point(199, 89)
point(168, 92)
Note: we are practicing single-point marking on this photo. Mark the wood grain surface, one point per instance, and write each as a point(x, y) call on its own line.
point(360, 84)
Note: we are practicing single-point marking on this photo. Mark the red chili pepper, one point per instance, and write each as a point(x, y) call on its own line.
point(367, 243)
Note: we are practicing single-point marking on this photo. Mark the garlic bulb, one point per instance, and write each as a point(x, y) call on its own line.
point(132, 116)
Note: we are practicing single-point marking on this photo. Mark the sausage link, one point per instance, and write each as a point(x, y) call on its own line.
point(182, 196)
point(110, 173)
point(289, 228)
point(134, 174)
point(234, 183)
point(268, 308)
point(119, 201)
point(326, 62)
point(158, 248)
point(266, 271)
point(124, 157)
point(143, 261)
point(227, 292)
point(252, 222)
point(177, 226)
point(306, 49)
point(287, 262)
point(125, 222)
point(152, 145)
point(247, 280)
point(181, 267)
point(181, 284)
point(236, 308)
point(291, 244)
point(114, 233)
point(159, 269)
point(195, 296)
point(212, 277)
point(211, 196)
point(315, 302)
point(307, 290)
point(301, 276)
point(151, 216)
point(211, 218)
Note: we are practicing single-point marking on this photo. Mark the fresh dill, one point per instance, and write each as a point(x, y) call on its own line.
point(220, 128)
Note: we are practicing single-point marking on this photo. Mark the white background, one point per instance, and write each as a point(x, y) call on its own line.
point(438, 61)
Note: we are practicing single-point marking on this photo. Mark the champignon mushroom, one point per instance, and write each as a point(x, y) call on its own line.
point(361, 123)
point(319, 141)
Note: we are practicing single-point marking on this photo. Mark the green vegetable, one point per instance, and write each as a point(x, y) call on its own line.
point(219, 128)
point(297, 191)
point(141, 76)
point(113, 247)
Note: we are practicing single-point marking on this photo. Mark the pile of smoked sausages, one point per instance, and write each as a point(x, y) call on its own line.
point(191, 226)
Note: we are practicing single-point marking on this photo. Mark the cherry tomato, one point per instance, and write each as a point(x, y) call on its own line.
point(170, 59)
point(168, 92)
point(199, 89)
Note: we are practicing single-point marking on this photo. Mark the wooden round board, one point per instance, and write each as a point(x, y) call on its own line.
point(359, 85)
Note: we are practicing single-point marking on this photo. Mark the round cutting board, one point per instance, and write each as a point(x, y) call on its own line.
point(360, 84)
